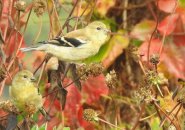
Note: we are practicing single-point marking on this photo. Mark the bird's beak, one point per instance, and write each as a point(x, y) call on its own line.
point(107, 31)
point(33, 79)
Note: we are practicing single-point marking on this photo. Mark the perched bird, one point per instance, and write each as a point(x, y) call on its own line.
point(77, 45)
point(24, 94)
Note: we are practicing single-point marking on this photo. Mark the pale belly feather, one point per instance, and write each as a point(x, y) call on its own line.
point(71, 53)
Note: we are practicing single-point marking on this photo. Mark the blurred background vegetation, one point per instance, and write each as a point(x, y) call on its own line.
point(135, 82)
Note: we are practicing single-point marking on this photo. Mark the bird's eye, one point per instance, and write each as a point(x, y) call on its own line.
point(98, 28)
point(25, 76)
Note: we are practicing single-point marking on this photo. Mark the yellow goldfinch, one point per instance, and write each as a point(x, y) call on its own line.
point(24, 94)
point(76, 45)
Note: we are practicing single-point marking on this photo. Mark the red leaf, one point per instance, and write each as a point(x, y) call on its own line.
point(172, 58)
point(8, 8)
point(54, 110)
point(179, 25)
point(154, 48)
point(179, 40)
point(12, 45)
point(92, 89)
point(167, 5)
point(168, 25)
point(73, 103)
point(183, 18)
point(95, 87)
point(3, 113)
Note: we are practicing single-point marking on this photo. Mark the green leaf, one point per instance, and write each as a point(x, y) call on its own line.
point(143, 30)
point(155, 124)
point(117, 44)
point(100, 55)
point(136, 42)
point(117, 40)
point(182, 3)
point(66, 128)
point(20, 118)
point(43, 127)
point(35, 127)
point(54, 128)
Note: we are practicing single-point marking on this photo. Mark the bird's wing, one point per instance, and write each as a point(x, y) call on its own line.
point(71, 39)
point(66, 42)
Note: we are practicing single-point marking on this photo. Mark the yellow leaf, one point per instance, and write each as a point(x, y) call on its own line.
point(143, 30)
point(102, 6)
point(117, 44)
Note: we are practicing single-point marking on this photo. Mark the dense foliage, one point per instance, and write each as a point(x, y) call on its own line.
point(136, 81)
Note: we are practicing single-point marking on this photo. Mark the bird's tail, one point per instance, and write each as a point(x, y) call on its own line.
point(34, 48)
point(28, 49)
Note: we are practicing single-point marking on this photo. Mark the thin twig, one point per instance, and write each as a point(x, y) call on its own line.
point(39, 32)
point(150, 40)
point(85, 10)
point(166, 115)
point(78, 11)
point(70, 14)
point(167, 26)
point(29, 8)
point(162, 122)
point(7, 72)
point(92, 10)
point(158, 113)
point(139, 116)
point(150, 7)
point(176, 114)
point(158, 88)
point(145, 118)
point(10, 5)
point(66, 10)
point(12, 61)
point(134, 6)
point(53, 24)
point(52, 101)
point(39, 66)
point(41, 73)
point(110, 123)
point(75, 80)
point(125, 14)
point(26, 24)
point(142, 67)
